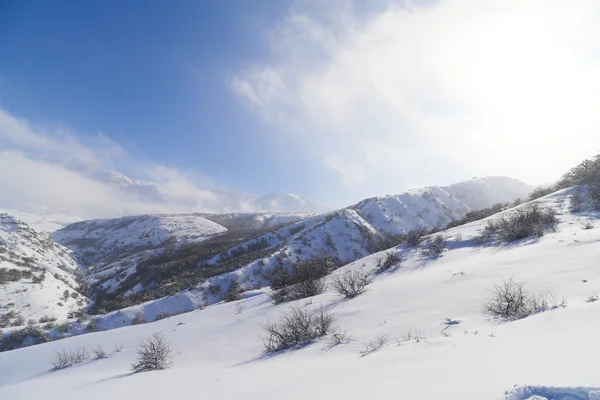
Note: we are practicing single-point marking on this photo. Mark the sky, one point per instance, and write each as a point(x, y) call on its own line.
point(335, 101)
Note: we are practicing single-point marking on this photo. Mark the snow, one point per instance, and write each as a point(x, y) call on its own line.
point(219, 354)
point(26, 249)
point(41, 224)
point(131, 234)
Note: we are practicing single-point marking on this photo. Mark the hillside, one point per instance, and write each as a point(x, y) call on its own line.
point(148, 257)
point(436, 341)
point(38, 277)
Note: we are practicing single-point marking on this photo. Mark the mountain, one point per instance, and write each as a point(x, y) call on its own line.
point(38, 277)
point(417, 332)
point(134, 259)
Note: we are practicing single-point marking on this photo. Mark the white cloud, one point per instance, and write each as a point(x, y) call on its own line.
point(65, 176)
point(55, 172)
point(436, 93)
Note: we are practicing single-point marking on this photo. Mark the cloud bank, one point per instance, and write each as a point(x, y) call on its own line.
point(402, 95)
point(68, 177)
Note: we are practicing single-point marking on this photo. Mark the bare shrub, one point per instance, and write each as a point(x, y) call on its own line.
point(297, 327)
point(413, 335)
point(99, 352)
point(351, 283)
point(435, 247)
point(528, 222)
point(234, 291)
point(153, 354)
point(337, 338)
point(591, 298)
point(389, 260)
point(374, 345)
point(139, 319)
point(305, 281)
point(414, 236)
point(577, 202)
point(587, 226)
point(163, 315)
point(509, 301)
point(66, 358)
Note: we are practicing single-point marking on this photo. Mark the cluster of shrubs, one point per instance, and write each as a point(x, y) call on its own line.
point(387, 261)
point(153, 353)
point(511, 301)
point(305, 279)
point(435, 247)
point(351, 283)
point(531, 221)
point(298, 326)
point(27, 336)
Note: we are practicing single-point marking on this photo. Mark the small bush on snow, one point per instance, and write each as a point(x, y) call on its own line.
point(139, 319)
point(99, 352)
point(297, 327)
point(234, 291)
point(351, 283)
point(389, 260)
point(374, 345)
point(592, 298)
point(510, 301)
point(527, 222)
point(153, 354)
point(414, 236)
point(66, 358)
point(435, 247)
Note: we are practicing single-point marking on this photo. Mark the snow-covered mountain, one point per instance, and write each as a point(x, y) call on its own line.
point(120, 255)
point(101, 239)
point(38, 277)
point(417, 332)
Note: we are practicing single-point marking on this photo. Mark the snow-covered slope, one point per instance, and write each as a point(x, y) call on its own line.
point(439, 345)
point(115, 248)
point(481, 193)
point(39, 223)
point(37, 275)
point(96, 240)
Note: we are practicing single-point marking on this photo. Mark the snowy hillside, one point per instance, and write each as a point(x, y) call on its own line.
point(427, 315)
point(101, 239)
point(39, 223)
point(37, 275)
point(146, 255)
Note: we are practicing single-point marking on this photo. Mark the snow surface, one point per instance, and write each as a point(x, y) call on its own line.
point(24, 248)
point(219, 353)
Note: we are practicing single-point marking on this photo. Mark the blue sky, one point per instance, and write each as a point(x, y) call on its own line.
point(150, 74)
point(333, 100)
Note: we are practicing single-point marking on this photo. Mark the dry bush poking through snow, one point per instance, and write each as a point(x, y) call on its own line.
point(435, 247)
point(389, 260)
point(510, 301)
point(414, 236)
point(99, 352)
point(351, 283)
point(297, 327)
point(374, 345)
point(592, 298)
point(527, 222)
point(66, 358)
point(153, 354)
